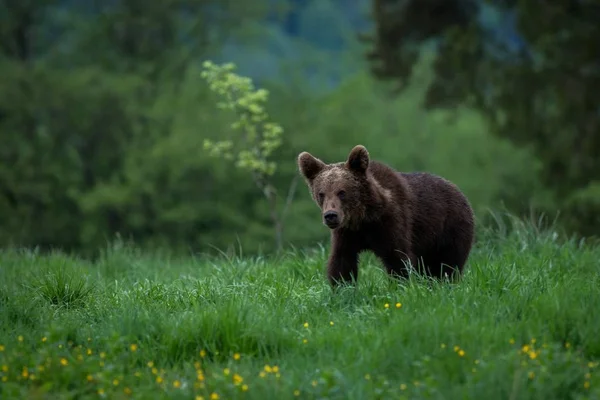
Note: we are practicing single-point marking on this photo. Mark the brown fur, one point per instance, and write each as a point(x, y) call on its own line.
point(401, 217)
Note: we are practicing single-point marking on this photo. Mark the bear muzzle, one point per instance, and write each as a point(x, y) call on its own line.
point(331, 219)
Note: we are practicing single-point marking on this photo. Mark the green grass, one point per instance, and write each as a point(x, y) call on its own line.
point(523, 323)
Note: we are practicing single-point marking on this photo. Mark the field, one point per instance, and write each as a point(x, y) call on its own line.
point(524, 323)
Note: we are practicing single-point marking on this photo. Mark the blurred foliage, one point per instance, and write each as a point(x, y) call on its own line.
point(536, 81)
point(259, 136)
point(104, 112)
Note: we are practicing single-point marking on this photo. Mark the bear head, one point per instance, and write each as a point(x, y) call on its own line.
point(341, 189)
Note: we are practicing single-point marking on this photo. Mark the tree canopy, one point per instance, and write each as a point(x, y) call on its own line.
point(536, 80)
point(104, 110)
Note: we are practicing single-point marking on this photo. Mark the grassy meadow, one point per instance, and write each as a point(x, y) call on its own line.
point(524, 323)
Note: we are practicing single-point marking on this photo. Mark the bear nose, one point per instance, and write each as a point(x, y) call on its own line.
point(330, 217)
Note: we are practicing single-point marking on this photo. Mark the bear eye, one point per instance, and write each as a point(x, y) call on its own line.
point(341, 194)
point(321, 197)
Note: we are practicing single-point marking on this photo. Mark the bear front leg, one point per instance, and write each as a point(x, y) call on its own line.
point(342, 266)
point(397, 262)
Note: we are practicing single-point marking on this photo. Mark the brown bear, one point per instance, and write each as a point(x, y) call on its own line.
point(417, 218)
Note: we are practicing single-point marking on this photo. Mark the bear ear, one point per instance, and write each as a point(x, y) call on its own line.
point(358, 159)
point(309, 165)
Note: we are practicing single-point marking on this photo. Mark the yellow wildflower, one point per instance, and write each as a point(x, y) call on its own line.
point(116, 382)
point(237, 379)
point(214, 396)
point(90, 378)
point(176, 384)
point(398, 305)
point(262, 374)
point(236, 356)
point(133, 347)
point(159, 379)
point(244, 388)
point(461, 353)
point(296, 393)
point(64, 361)
point(20, 338)
point(306, 324)
point(226, 371)
point(44, 339)
point(1, 347)
point(127, 391)
point(386, 305)
point(150, 364)
point(202, 353)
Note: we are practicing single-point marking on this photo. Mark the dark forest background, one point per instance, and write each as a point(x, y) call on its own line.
point(103, 111)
